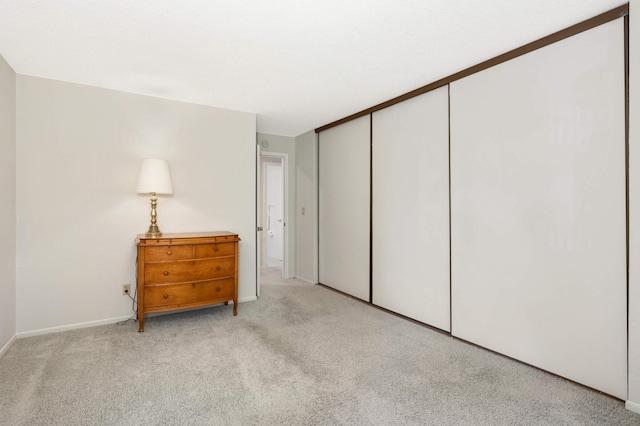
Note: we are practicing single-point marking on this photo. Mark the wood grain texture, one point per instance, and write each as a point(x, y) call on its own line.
point(159, 298)
point(188, 270)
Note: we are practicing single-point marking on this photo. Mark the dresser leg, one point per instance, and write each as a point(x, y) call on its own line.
point(226, 303)
point(235, 307)
point(140, 323)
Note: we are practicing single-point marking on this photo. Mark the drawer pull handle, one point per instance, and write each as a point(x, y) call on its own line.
point(218, 268)
point(215, 248)
point(166, 273)
point(169, 252)
point(166, 296)
point(218, 289)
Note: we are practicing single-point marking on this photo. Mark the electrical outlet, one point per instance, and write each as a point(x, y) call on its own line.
point(126, 289)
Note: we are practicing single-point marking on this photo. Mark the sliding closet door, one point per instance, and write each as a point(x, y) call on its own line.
point(411, 208)
point(538, 208)
point(344, 192)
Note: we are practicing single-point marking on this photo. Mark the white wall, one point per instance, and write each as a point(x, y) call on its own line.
point(307, 199)
point(633, 399)
point(285, 144)
point(79, 150)
point(7, 205)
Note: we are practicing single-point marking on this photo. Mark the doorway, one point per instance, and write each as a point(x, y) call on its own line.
point(272, 213)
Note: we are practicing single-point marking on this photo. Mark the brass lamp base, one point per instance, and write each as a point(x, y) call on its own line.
point(153, 231)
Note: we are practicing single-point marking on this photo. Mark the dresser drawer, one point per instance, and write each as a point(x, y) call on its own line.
point(214, 250)
point(168, 253)
point(201, 293)
point(184, 271)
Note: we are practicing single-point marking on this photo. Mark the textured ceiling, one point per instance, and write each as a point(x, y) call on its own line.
point(297, 64)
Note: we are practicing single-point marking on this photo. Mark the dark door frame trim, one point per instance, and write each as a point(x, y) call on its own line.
point(603, 18)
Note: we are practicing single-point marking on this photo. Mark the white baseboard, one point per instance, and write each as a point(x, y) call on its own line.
point(306, 280)
point(88, 324)
point(6, 347)
point(68, 327)
point(632, 406)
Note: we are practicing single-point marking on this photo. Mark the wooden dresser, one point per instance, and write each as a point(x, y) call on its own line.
point(180, 271)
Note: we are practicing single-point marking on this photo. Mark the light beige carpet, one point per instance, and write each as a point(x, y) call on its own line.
point(300, 355)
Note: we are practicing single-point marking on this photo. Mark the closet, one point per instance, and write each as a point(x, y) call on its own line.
point(344, 207)
point(493, 204)
point(538, 208)
point(410, 257)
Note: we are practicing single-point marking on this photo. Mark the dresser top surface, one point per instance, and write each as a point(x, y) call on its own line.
point(166, 237)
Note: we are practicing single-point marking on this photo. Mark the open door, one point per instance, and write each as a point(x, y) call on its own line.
point(273, 208)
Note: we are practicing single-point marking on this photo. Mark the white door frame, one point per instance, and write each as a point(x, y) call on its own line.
point(258, 219)
point(285, 208)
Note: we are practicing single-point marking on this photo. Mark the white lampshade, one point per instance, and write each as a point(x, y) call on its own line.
point(154, 177)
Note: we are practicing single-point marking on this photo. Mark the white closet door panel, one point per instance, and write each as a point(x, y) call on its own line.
point(411, 208)
point(345, 207)
point(538, 209)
